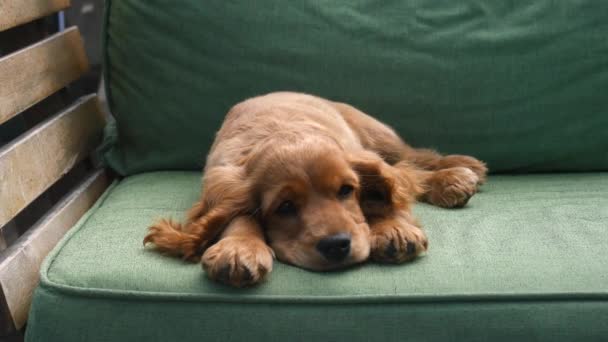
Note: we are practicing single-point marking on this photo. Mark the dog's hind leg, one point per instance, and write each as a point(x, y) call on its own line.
point(449, 181)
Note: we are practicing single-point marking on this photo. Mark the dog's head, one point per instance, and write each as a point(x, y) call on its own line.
point(314, 200)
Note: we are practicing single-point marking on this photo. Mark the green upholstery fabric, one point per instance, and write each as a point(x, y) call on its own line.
point(521, 85)
point(525, 260)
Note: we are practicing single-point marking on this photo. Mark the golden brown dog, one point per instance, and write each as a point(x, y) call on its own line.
point(317, 183)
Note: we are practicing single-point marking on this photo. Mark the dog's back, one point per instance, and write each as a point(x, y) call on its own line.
point(278, 118)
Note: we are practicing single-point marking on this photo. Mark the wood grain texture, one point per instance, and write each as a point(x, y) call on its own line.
point(34, 161)
point(37, 71)
point(17, 12)
point(20, 263)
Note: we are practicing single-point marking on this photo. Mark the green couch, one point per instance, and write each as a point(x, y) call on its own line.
point(520, 85)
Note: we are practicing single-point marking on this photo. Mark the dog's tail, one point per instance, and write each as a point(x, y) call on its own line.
point(168, 238)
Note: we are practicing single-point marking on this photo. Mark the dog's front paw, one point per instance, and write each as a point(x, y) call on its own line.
point(475, 165)
point(238, 261)
point(451, 188)
point(396, 240)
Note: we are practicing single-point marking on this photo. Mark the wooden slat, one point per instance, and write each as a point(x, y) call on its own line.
point(20, 263)
point(31, 74)
point(17, 12)
point(32, 163)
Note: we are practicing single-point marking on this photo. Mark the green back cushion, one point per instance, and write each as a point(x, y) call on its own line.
point(522, 86)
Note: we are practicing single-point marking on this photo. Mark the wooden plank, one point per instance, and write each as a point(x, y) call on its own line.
point(31, 74)
point(34, 161)
point(20, 263)
point(17, 12)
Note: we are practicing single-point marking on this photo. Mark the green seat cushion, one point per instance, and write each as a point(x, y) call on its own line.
point(526, 259)
point(521, 85)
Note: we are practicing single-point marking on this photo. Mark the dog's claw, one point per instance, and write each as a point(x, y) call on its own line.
point(391, 250)
point(411, 248)
point(224, 274)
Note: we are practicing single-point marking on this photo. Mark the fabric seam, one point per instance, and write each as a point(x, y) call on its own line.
point(48, 262)
point(98, 293)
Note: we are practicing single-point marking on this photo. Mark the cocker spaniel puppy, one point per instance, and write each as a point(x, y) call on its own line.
point(317, 183)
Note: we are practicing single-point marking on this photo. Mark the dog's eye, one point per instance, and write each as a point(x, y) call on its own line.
point(345, 191)
point(287, 208)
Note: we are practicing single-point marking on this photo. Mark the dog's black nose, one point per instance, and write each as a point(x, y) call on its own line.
point(336, 247)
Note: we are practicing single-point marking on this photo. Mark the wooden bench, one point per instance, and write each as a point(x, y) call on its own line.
point(44, 159)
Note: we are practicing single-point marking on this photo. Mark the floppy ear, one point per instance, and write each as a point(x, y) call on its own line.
point(384, 188)
point(226, 194)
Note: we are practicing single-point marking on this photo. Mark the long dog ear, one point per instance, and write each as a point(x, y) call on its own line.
point(384, 188)
point(226, 194)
